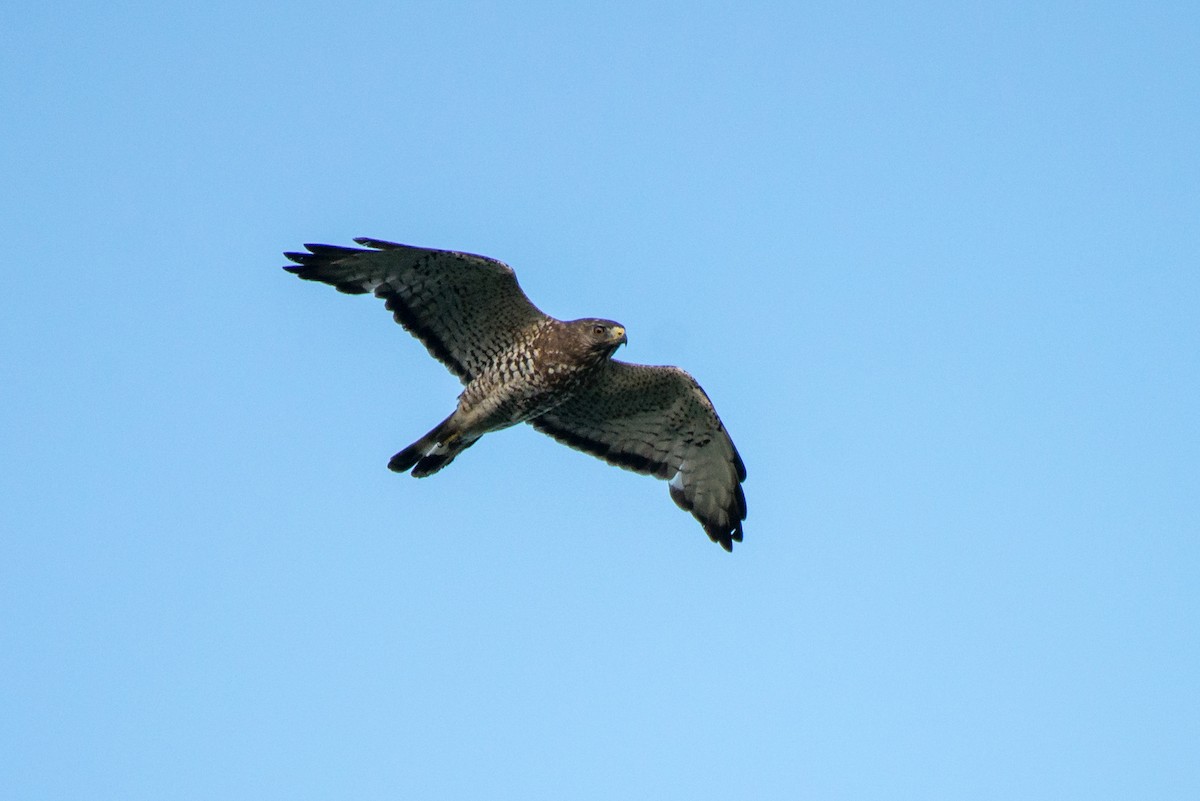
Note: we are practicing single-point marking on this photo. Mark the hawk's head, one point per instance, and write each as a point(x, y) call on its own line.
point(597, 337)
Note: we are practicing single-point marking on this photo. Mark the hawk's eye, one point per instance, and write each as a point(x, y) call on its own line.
point(598, 330)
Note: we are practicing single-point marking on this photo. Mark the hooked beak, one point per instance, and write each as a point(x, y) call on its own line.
point(619, 335)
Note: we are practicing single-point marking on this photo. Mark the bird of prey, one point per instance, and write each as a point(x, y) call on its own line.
point(520, 365)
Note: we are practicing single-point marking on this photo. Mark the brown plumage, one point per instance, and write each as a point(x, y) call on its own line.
point(521, 365)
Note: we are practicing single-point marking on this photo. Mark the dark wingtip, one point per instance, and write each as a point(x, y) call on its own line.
point(307, 265)
point(723, 536)
point(378, 244)
point(330, 251)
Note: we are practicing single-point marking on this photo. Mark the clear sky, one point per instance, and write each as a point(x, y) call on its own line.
point(937, 265)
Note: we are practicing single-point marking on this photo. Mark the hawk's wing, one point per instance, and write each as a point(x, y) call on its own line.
point(657, 420)
point(462, 307)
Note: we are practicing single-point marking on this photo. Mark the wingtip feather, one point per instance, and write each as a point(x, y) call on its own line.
point(377, 244)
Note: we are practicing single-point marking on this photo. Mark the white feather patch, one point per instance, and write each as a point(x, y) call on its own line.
point(677, 479)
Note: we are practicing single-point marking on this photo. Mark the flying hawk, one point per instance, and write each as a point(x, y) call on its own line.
point(520, 365)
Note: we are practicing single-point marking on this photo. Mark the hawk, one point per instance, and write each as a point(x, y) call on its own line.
point(520, 365)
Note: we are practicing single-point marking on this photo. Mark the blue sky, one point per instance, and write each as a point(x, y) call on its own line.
point(935, 264)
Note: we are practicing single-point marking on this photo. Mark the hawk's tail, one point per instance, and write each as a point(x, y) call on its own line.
point(431, 452)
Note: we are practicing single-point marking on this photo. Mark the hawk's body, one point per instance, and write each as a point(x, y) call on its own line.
point(521, 365)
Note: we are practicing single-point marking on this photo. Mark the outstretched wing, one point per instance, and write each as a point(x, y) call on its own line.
point(463, 307)
point(657, 420)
